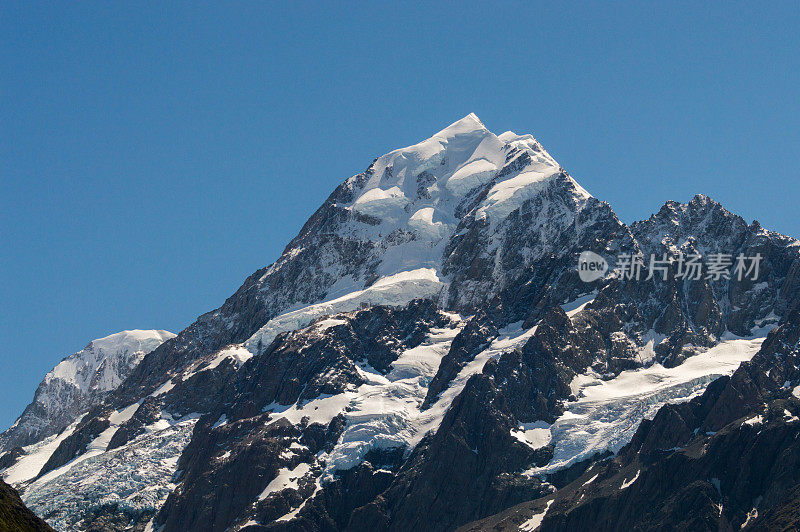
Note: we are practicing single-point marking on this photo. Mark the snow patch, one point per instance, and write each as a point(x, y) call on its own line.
point(394, 290)
point(422, 223)
point(36, 456)
point(607, 413)
point(472, 174)
point(381, 203)
point(286, 478)
point(577, 305)
point(756, 420)
point(535, 435)
point(164, 388)
point(238, 353)
point(223, 420)
point(627, 483)
point(536, 521)
point(326, 324)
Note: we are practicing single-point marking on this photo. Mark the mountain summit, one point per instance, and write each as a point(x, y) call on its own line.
point(79, 382)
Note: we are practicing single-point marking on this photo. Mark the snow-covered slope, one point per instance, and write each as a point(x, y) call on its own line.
point(79, 382)
point(133, 480)
point(608, 412)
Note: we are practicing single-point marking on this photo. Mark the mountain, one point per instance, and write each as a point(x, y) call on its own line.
point(79, 382)
point(14, 517)
point(423, 355)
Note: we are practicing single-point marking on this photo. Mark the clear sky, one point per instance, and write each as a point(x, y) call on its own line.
point(154, 155)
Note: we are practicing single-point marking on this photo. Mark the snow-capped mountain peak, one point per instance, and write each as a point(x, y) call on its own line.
point(469, 124)
point(449, 165)
point(404, 215)
point(428, 188)
point(79, 382)
point(103, 363)
point(465, 154)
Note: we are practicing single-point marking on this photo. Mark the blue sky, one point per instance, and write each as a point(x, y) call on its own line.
point(154, 155)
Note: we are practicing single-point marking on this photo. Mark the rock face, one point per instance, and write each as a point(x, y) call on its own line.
point(473, 338)
point(14, 516)
point(424, 354)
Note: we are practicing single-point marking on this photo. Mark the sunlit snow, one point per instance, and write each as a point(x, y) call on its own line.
point(607, 413)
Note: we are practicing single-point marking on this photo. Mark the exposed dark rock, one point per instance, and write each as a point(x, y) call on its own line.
point(202, 391)
point(301, 365)
point(537, 245)
point(107, 517)
point(473, 338)
point(14, 516)
point(148, 412)
point(535, 380)
point(10, 457)
point(332, 507)
point(224, 469)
